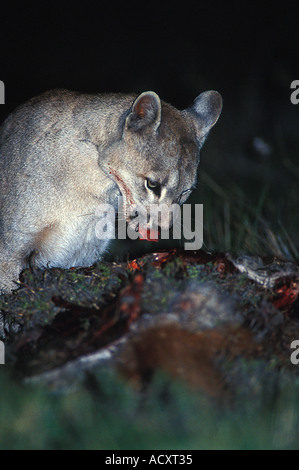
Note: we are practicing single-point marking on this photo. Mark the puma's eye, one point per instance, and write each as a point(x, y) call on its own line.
point(153, 186)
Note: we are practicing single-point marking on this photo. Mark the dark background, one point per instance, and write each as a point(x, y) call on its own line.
point(248, 51)
point(177, 49)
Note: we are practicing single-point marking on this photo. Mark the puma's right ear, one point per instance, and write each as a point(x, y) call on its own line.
point(145, 112)
point(205, 111)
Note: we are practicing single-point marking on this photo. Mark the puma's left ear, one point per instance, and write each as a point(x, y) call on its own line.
point(145, 112)
point(205, 111)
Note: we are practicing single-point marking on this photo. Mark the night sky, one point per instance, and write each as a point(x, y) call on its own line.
point(172, 48)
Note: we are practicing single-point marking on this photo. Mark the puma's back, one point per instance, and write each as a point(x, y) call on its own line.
point(64, 153)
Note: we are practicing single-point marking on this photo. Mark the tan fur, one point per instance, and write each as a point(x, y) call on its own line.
point(63, 153)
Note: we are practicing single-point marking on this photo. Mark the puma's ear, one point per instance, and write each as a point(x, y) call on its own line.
point(205, 111)
point(145, 112)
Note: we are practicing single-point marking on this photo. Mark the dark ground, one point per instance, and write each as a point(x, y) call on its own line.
point(194, 318)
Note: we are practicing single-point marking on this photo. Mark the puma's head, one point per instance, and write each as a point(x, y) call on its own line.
point(156, 160)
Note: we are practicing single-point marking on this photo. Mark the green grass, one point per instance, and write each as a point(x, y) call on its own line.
point(103, 413)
